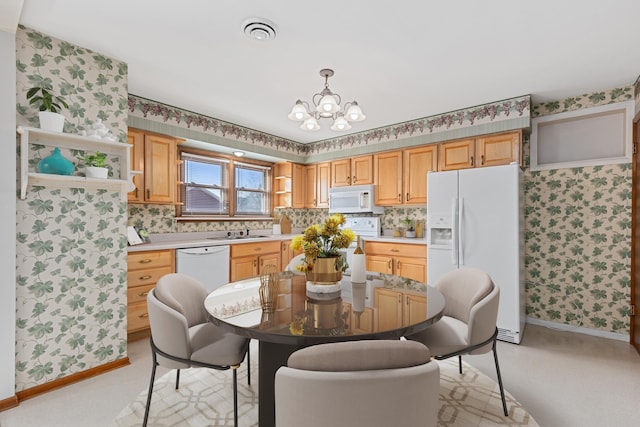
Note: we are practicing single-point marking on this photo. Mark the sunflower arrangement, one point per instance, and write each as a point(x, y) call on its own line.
point(323, 241)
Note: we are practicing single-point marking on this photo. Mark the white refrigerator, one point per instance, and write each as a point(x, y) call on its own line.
point(475, 219)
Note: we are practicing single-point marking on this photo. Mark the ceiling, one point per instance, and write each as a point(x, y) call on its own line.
point(400, 60)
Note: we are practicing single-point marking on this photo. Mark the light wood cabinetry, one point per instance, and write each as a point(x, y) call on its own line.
point(502, 149)
point(144, 269)
point(403, 259)
point(387, 175)
point(409, 307)
point(286, 254)
point(156, 156)
point(317, 183)
point(490, 150)
point(282, 187)
point(249, 259)
point(352, 171)
point(297, 185)
point(401, 176)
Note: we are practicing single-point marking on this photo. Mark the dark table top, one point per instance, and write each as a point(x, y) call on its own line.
point(303, 317)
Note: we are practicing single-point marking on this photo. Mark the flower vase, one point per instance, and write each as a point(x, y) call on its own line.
point(56, 164)
point(325, 271)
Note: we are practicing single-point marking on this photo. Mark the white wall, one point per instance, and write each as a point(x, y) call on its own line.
point(7, 213)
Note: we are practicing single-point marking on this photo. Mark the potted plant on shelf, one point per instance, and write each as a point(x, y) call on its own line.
point(323, 262)
point(50, 106)
point(95, 165)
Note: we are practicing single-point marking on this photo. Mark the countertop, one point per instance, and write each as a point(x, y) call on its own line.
point(200, 239)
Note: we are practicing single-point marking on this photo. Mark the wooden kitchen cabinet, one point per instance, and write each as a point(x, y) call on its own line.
point(402, 259)
point(317, 183)
point(489, 150)
point(287, 254)
point(298, 185)
point(282, 185)
point(457, 154)
point(401, 176)
point(352, 171)
point(249, 259)
point(144, 269)
point(501, 149)
point(409, 307)
point(156, 156)
point(387, 173)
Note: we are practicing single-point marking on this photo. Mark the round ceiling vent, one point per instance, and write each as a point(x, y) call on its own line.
point(259, 29)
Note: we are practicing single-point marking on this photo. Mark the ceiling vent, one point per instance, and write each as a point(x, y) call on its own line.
point(260, 29)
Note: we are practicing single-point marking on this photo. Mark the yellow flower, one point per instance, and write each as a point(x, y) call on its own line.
point(296, 327)
point(296, 243)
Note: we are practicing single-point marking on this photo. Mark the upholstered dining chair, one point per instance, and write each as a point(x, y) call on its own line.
point(358, 383)
point(295, 261)
point(469, 322)
point(182, 337)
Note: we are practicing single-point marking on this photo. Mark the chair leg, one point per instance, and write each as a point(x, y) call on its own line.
point(153, 377)
point(504, 402)
point(235, 396)
point(249, 364)
point(177, 378)
point(460, 364)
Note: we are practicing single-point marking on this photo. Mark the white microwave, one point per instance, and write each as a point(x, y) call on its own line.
point(353, 199)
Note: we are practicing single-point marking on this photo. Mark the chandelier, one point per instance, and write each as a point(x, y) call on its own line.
point(326, 105)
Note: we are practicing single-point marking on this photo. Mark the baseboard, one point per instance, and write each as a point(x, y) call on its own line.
point(8, 403)
point(70, 379)
point(578, 329)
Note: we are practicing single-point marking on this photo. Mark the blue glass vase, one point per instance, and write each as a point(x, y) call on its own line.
point(56, 164)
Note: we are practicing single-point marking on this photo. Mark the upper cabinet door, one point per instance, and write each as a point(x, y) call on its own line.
point(387, 172)
point(362, 170)
point(323, 184)
point(310, 186)
point(457, 155)
point(498, 150)
point(341, 173)
point(297, 185)
point(417, 163)
point(159, 169)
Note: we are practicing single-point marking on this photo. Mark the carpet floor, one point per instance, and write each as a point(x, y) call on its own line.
point(205, 398)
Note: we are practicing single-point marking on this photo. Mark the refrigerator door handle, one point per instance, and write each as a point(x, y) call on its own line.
point(454, 232)
point(460, 228)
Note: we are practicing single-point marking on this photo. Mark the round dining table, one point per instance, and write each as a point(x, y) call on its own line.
point(385, 307)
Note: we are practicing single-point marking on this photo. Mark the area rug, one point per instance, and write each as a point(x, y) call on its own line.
point(205, 398)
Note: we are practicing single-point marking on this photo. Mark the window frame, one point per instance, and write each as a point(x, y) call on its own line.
point(231, 189)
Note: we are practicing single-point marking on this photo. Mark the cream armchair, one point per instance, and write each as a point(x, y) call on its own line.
point(182, 337)
point(469, 322)
point(375, 383)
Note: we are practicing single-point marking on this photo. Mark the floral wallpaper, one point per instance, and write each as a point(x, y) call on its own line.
point(578, 235)
point(515, 110)
point(71, 253)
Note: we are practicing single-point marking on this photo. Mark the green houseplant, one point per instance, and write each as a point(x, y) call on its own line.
point(49, 106)
point(95, 165)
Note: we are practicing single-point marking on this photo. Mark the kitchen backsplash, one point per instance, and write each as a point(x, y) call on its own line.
point(158, 219)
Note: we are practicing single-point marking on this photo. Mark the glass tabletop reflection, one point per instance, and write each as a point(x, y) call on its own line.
point(385, 307)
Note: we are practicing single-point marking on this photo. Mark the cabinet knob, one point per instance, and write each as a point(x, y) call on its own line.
point(143, 315)
point(348, 180)
point(148, 193)
point(407, 197)
point(255, 262)
point(143, 294)
point(472, 161)
point(145, 277)
point(399, 299)
point(395, 250)
point(398, 267)
point(354, 179)
point(389, 265)
point(145, 261)
point(482, 159)
point(399, 197)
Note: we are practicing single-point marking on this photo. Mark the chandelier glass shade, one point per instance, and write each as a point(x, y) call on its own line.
point(326, 105)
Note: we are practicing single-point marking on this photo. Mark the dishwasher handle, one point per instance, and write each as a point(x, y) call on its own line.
point(207, 250)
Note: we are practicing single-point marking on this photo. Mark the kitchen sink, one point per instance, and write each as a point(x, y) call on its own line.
point(251, 236)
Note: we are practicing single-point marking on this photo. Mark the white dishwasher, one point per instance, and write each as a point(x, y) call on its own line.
point(209, 265)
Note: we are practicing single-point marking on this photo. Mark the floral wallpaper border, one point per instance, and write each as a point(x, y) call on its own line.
point(464, 118)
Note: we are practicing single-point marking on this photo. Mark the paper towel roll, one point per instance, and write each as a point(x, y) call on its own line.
point(358, 271)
